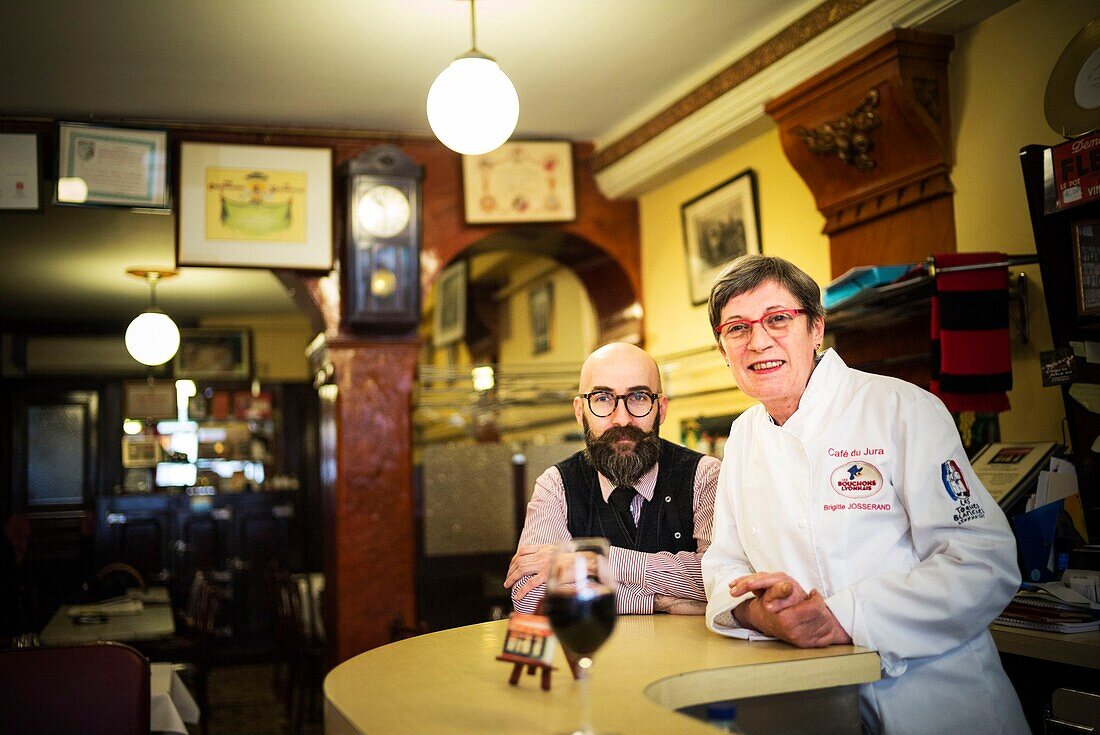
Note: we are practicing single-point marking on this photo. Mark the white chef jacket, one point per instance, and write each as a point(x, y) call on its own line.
point(866, 495)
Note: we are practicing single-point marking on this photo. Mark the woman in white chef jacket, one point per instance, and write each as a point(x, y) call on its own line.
point(847, 512)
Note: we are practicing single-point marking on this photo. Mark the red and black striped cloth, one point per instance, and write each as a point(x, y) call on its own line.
point(971, 350)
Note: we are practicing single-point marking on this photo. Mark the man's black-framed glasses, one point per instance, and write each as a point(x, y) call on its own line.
point(639, 403)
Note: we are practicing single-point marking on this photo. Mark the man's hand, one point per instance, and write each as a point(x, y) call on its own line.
point(678, 605)
point(533, 560)
point(783, 610)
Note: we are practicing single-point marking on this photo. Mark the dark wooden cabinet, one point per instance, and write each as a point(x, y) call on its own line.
point(238, 539)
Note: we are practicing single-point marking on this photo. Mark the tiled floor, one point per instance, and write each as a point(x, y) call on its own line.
point(243, 701)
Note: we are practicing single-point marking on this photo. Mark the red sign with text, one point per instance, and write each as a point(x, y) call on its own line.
point(1076, 171)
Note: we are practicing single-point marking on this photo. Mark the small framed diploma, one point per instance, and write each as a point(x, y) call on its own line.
point(112, 167)
point(523, 181)
point(19, 172)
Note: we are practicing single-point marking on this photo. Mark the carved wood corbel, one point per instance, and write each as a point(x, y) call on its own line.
point(870, 136)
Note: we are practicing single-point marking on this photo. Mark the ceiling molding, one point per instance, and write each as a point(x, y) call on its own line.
point(706, 122)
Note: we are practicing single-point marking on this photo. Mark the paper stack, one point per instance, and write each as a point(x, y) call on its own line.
point(114, 606)
point(1051, 607)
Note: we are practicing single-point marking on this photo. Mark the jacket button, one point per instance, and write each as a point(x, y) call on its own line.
point(676, 535)
point(668, 498)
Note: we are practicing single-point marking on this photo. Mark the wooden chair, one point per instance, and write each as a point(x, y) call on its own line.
point(302, 637)
point(191, 650)
point(98, 689)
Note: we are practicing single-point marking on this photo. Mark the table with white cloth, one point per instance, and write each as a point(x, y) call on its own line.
point(171, 703)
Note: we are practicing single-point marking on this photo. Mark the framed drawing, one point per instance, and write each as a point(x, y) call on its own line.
point(719, 225)
point(114, 167)
point(19, 172)
point(255, 206)
point(541, 306)
point(449, 319)
point(214, 354)
point(1086, 262)
point(524, 181)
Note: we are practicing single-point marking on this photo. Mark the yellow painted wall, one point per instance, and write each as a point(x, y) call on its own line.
point(998, 77)
point(790, 227)
point(278, 343)
point(999, 73)
point(573, 329)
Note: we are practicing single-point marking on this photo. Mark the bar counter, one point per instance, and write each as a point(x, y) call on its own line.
point(451, 682)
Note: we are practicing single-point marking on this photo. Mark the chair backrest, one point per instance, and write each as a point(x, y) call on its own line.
point(98, 689)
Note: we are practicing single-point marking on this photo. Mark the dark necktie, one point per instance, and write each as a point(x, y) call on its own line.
point(621, 498)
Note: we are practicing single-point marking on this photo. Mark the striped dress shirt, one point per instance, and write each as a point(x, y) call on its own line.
point(641, 575)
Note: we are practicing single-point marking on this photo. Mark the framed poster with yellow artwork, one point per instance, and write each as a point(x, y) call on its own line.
point(255, 206)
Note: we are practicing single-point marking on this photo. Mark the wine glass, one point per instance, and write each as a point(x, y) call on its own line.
point(580, 602)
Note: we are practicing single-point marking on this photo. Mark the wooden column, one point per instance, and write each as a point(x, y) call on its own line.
point(871, 137)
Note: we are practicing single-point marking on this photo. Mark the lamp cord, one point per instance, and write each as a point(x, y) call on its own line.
point(473, 26)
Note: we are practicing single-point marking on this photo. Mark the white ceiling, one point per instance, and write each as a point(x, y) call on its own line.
point(586, 70)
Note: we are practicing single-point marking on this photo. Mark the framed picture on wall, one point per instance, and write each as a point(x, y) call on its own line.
point(449, 319)
point(19, 171)
point(541, 307)
point(140, 451)
point(112, 167)
point(214, 354)
point(521, 181)
point(1086, 263)
point(719, 225)
point(255, 206)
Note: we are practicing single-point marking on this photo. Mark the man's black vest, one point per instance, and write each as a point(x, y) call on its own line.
point(667, 522)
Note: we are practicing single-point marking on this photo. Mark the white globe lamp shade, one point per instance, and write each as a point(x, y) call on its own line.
point(473, 107)
point(152, 337)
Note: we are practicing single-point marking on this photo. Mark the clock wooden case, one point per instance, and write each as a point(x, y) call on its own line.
point(382, 241)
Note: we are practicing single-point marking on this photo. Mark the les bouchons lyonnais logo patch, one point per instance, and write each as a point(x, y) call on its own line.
point(856, 480)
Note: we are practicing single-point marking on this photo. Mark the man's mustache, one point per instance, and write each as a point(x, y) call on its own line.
point(615, 433)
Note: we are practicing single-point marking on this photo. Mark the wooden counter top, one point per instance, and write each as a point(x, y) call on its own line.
point(1077, 649)
point(451, 682)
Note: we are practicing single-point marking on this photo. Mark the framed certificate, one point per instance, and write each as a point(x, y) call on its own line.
point(119, 167)
point(524, 181)
point(19, 169)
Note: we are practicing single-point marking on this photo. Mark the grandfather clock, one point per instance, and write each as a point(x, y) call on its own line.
point(382, 241)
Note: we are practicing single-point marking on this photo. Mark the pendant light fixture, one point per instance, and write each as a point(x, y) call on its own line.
point(472, 105)
point(152, 337)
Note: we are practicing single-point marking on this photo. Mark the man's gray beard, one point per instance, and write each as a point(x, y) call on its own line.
point(623, 468)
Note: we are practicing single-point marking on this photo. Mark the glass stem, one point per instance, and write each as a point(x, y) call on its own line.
point(584, 670)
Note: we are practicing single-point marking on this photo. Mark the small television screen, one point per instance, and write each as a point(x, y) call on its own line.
point(176, 474)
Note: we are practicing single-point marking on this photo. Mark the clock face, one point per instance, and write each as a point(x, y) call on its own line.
point(384, 211)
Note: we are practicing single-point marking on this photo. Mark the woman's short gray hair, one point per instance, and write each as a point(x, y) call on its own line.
point(750, 271)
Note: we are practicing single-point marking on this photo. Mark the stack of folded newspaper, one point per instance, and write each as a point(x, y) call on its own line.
point(115, 606)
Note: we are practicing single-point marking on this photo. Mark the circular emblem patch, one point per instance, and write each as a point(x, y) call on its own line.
point(856, 480)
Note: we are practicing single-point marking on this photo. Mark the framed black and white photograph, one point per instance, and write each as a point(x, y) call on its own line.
point(1086, 261)
point(214, 354)
point(541, 308)
point(719, 225)
point(19, 172)
point(449, 319)
point(112, 167)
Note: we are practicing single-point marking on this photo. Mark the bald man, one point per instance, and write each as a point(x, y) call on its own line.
point(653, 500)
